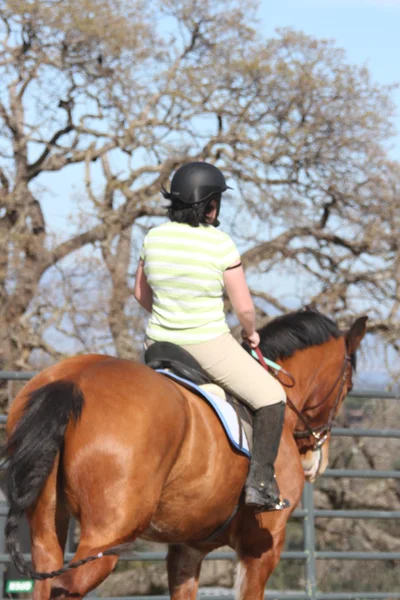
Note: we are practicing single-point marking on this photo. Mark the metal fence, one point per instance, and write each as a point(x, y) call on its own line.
point(308, 513)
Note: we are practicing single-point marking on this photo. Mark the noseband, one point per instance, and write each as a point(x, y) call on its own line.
point(319, 434)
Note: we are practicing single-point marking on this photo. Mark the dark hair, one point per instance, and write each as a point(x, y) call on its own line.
point(192, 214)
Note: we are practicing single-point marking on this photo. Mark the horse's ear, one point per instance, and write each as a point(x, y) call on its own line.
point(356, 334)
point(311, 307)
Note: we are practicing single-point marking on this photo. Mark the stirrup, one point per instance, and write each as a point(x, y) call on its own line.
point(261, 503)
point(281, 505)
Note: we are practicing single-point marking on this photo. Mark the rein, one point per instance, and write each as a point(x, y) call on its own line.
point(319, 434)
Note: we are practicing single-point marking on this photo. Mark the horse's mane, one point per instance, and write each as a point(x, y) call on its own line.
point(296, 331)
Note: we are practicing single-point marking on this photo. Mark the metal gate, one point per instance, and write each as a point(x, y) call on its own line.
point(308, 513)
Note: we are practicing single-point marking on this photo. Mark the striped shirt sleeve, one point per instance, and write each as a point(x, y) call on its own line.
point(229, 254)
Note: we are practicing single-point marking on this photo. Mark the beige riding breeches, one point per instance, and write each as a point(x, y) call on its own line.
point(229, 365)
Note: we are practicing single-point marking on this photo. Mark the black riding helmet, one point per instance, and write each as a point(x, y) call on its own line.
point(196, 182)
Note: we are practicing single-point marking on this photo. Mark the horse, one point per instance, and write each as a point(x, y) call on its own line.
point(130, 453)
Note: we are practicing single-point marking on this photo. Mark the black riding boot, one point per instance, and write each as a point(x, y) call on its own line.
point(261, 488)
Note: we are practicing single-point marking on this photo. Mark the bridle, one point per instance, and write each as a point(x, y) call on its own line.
point(319, 434)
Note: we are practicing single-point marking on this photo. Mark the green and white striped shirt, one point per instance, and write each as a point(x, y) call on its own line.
point(184, 266)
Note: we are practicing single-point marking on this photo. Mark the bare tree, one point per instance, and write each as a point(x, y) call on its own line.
point(130, 90)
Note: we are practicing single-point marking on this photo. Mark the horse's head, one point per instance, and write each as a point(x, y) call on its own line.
point(313, 433)
point(322, 360)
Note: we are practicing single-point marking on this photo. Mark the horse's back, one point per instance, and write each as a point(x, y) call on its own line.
point(65, 370)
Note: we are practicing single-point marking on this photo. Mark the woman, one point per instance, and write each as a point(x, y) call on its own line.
point(184, 266)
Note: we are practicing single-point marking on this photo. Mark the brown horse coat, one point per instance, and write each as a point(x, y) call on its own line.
point(146, 458)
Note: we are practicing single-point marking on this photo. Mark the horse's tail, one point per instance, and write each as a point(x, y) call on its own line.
point(32, 450)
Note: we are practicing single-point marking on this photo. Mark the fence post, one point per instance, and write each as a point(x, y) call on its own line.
point(3, 507)
point(309, 541)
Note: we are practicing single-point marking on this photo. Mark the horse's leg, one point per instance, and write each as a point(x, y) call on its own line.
point(103, 526)
point(184, 564)
point(48, 523)
point(77, 582)
point(253, 572)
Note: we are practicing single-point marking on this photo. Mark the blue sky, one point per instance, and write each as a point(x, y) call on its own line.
point(368, 31)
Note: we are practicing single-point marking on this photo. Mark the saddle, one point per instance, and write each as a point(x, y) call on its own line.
point(166, 356)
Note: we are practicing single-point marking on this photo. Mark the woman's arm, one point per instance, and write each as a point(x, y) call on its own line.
point(142, 291)
point(239, 294)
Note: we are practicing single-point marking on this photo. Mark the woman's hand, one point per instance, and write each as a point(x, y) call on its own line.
point(252, 340)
